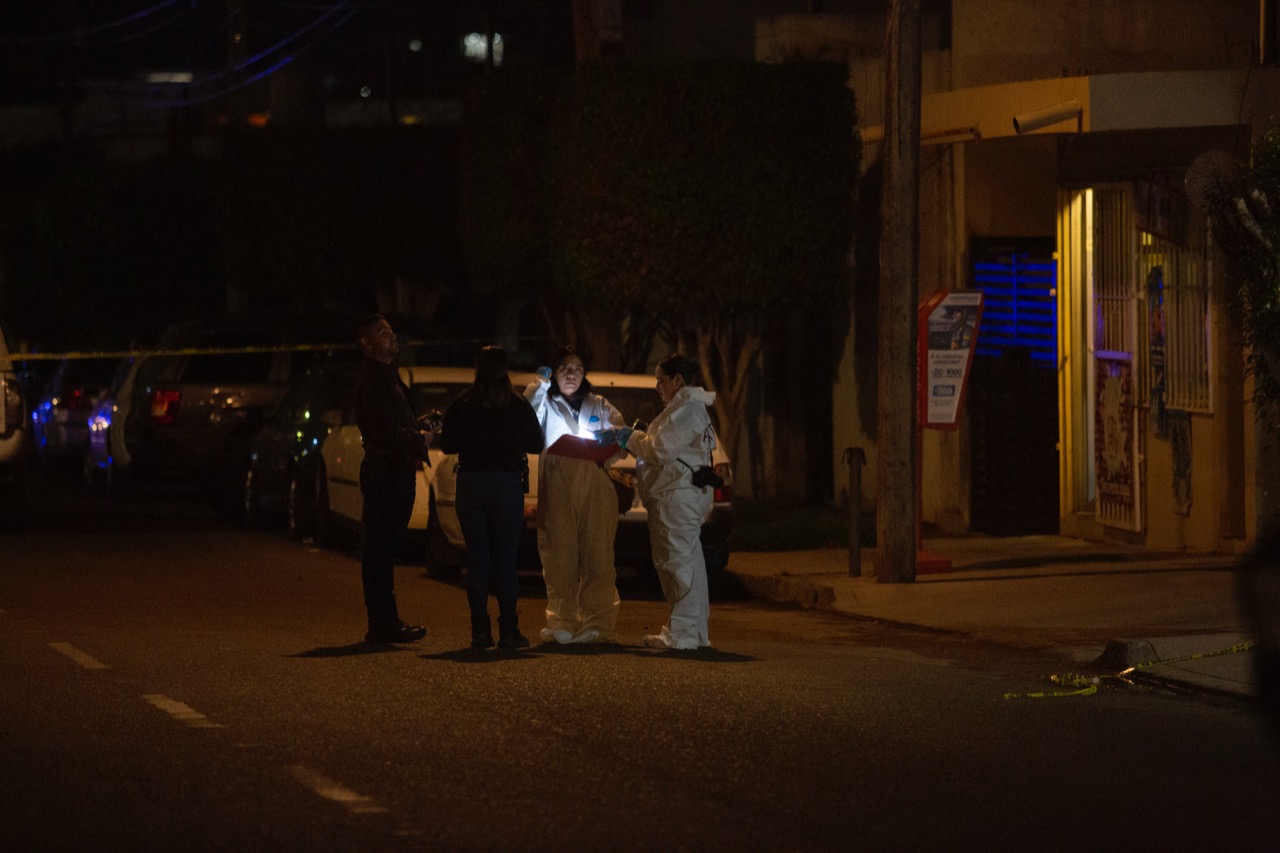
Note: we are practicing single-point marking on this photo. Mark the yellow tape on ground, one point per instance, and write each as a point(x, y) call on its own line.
point(1088, 685)
point(1238, 647)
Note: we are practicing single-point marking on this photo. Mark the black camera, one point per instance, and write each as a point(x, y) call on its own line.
point(431, 421)
point(705, 475)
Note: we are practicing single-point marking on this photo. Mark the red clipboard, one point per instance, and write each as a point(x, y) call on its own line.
point(583, 448)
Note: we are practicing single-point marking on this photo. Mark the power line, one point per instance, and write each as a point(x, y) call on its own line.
point(141, 34)
point(79, 34)
point(248, 81)
point(147, 94)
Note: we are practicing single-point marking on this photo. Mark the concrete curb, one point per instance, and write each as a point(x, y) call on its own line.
point(784, 589)
point(1156, 661)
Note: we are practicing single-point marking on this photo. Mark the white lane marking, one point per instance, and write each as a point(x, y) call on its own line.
point(86, 661)
point(331, 790)
point(180, 712)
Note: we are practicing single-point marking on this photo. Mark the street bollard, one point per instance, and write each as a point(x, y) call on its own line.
point(856, 459)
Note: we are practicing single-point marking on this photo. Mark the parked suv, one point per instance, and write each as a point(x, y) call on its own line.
point(191, 416)
point(435, 513)
point(13, 429)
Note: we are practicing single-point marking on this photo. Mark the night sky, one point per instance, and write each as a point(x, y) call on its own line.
point(45, 45)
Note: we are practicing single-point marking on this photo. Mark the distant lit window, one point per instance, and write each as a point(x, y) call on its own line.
point(365, 91)
point(170, 77)
point(475, 47)
point(415, 45)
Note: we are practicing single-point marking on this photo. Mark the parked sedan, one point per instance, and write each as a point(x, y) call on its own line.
point(60, 419)
point(435, 512)
point(637, 398)
point(338, 500)
point(106, 459)
point(194, 411)
point(284, 456)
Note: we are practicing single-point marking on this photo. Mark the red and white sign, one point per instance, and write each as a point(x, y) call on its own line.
point(948, 331)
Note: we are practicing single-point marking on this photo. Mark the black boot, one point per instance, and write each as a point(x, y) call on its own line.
point(511, 638)
point(481, 635)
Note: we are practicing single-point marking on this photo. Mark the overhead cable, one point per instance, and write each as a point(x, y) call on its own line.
point(80, 33)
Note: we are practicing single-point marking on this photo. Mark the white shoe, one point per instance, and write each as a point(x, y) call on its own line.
point(559, 635)
point(666, 641)
point(587, 635)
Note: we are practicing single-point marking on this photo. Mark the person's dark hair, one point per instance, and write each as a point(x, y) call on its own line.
point(492, 386)
point(367, 324)
point(679, 364)
point(561, 355)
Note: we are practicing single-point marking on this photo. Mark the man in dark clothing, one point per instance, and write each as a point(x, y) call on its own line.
point(393, 443)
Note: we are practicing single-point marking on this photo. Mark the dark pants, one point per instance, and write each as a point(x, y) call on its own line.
point(491, 512)
point(388, 491)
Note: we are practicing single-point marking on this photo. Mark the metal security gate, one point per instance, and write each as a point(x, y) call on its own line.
point(1113, 323)
point(1013, 390)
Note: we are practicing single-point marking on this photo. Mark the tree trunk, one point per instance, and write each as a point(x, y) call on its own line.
point(730, 353)
point(896, 502)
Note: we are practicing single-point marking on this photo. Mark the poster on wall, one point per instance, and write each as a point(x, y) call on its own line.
point(948, 332)
point(1114, 441)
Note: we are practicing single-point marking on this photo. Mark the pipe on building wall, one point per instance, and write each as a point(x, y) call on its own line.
point(1028, 122)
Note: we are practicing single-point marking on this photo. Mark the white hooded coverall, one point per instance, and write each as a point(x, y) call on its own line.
point(577, 521)
point(682, 433)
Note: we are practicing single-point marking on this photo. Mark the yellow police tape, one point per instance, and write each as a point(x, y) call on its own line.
point(139, 353)
point(1085, 684)
point(59, 356)
point(1088, 684)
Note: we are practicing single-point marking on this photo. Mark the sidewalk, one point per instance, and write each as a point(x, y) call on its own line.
point(1091, 602)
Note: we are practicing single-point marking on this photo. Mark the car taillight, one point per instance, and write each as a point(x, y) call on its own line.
point(724, 494)
point(164, 407)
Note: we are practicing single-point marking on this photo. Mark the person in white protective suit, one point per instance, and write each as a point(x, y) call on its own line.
point(668, 453)
point(577, 507)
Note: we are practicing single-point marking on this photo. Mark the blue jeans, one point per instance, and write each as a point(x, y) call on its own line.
point(491, 512)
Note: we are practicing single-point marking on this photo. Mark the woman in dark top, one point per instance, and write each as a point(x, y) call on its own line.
point(491, 428)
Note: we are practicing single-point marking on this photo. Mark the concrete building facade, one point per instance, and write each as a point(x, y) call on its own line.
point(1064, 146)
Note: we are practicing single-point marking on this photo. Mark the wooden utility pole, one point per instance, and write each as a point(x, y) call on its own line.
point(900, 237)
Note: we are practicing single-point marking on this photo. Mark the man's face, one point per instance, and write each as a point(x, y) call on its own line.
point(381, 343)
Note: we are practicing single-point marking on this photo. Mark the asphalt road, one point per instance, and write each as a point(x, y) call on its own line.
point(170, 682)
